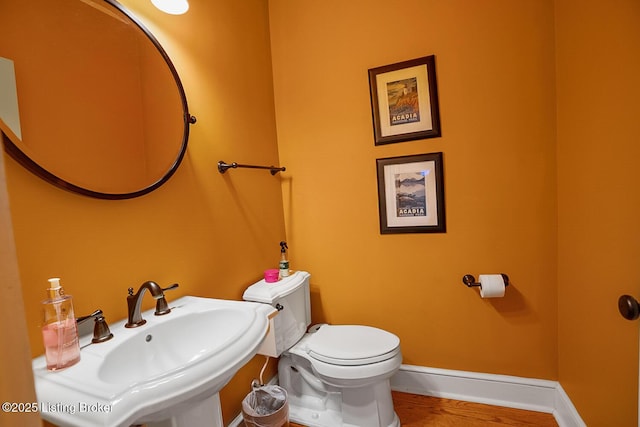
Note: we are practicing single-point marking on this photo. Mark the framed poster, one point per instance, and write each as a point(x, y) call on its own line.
point(404, 101)
point(411, 194)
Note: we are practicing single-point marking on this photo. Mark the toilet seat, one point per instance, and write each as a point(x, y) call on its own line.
point(352, 345)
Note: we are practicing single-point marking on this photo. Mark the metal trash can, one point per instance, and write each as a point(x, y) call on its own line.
point(266, 406)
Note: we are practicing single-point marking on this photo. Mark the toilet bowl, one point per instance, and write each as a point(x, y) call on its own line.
point(335, 375)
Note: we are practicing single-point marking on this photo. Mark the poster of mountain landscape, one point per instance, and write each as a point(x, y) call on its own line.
point(411, 194)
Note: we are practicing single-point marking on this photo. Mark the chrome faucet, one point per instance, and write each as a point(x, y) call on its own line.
point(134, 302)
point(101, 332)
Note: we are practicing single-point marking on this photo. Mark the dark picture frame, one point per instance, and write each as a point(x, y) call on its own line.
point(411, 194)
point(404, 101)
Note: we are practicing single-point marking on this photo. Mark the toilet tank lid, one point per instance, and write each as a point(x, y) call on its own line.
point(266, 292)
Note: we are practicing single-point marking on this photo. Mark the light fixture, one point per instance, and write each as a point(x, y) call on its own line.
point(173, 7)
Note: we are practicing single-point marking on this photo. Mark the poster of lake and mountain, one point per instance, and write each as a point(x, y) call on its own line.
point(411, 194)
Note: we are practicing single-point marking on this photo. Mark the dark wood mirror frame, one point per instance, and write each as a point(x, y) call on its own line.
point(21, 157)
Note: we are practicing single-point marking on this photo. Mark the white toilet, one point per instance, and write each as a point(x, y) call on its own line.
point(335, 375)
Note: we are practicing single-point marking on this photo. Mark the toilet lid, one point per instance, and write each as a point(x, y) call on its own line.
point(352, 345)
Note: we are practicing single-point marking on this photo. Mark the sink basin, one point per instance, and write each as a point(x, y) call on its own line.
point(149, 374)
point(169, 346)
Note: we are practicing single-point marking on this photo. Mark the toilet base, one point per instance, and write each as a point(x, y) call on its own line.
point(314, 403)
point(326, 418)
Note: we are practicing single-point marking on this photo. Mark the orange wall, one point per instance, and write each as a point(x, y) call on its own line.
point(495, 71)
point(214, 234)
point(598, 63)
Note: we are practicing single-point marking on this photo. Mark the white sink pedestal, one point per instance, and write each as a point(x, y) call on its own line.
point(204, 414)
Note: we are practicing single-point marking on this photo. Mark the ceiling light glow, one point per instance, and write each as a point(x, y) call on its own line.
point(173, 7)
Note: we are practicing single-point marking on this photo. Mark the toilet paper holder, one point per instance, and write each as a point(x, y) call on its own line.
point(470, 281)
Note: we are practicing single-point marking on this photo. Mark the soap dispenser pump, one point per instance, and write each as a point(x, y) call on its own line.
point(59, 331)
point(284, 262)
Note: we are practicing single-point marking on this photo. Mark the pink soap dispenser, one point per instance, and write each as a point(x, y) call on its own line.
point(59, 331)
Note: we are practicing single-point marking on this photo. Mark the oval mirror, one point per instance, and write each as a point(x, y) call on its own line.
point(102, 110)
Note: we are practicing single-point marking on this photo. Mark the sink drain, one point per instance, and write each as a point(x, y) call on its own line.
point(148, 338)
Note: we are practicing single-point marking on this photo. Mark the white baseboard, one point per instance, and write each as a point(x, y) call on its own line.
point(500, 390)
point(565, 413)
point(237, 421)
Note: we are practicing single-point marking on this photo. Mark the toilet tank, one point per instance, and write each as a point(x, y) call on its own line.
point(291, 297)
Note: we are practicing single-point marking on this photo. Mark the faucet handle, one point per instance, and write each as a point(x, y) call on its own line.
point(82, 319)
point(170, 288)
point(101, 332)
point(161, 303)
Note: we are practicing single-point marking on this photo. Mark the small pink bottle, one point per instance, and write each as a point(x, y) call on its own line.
point(59, 331)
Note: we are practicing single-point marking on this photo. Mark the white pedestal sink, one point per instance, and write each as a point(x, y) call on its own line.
point(167, 372)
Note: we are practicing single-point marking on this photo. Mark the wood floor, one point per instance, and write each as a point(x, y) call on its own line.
point(417, 411)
